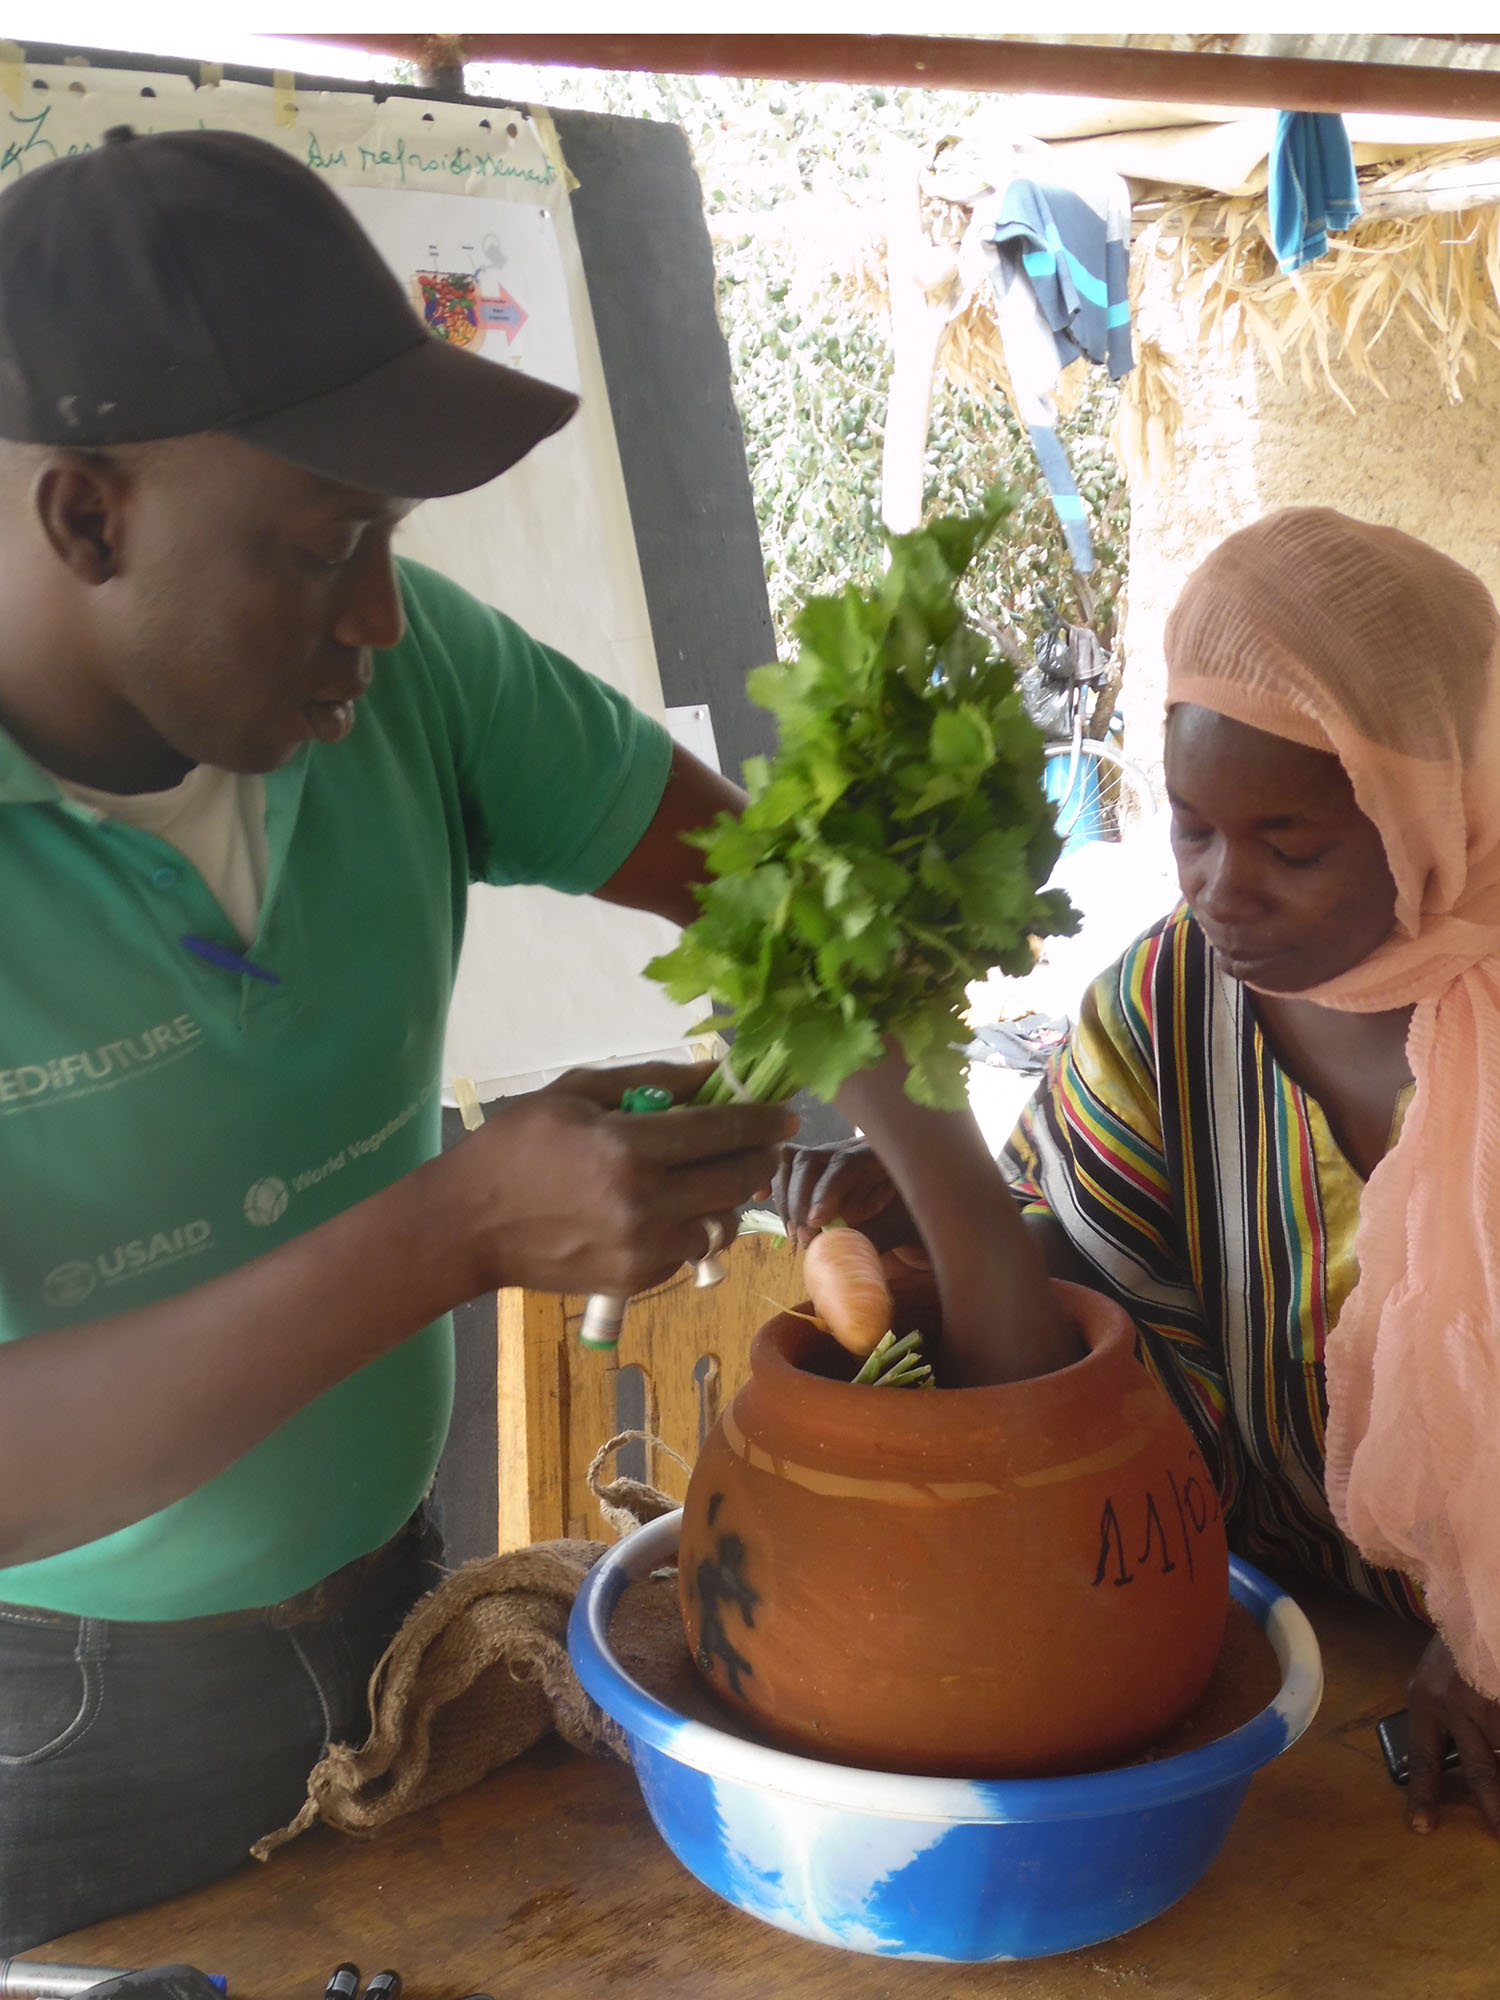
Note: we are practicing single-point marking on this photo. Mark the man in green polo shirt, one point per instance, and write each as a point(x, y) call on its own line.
point(248, 767)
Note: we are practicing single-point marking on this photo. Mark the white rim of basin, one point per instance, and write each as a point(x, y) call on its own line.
point(899, 1794)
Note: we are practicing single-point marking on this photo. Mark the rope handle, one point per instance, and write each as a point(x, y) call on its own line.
point(628, 1504)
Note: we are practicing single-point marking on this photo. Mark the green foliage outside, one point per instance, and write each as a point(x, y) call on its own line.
point(811, 368)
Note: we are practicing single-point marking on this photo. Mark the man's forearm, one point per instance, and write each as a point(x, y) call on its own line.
point(664, 868)
point(103, 1424)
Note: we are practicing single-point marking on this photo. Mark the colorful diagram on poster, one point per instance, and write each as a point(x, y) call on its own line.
point(484, 273)
point(456, 309)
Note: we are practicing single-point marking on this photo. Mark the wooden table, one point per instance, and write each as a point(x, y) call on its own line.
point(550, 1880)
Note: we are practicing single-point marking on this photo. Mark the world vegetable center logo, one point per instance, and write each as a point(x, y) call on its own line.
point(69, 1284)
point(266, 1202)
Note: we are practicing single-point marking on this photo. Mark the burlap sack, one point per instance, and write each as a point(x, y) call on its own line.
point(477, 1674)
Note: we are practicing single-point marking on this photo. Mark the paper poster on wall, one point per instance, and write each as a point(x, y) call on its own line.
point(485, 274)
point(575, 957)
point(693, 727)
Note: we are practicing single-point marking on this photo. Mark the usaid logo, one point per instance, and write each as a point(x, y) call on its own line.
point(71, 1283)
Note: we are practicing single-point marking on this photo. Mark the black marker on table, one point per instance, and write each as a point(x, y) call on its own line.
point(343, 1982)
point(384, 1986)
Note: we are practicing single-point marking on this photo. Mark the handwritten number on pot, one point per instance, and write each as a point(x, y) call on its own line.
point(1195, 1504)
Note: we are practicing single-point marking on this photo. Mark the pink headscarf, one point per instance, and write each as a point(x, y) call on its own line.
point(1366, 643)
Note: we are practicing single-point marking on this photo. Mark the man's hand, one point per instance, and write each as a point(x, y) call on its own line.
point(1442, 1706)
point(570, 1194)
point(841, 1182)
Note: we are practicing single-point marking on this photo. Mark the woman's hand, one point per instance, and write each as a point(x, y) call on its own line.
point(1441, 1705)
point(841, 1182)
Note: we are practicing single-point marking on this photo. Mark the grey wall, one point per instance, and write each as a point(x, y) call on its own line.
point(468, 1486)
point(639, 216)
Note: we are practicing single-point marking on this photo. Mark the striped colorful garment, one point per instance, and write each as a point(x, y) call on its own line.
point(1208, 1193)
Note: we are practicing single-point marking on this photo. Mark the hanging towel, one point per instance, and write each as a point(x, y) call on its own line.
point(1073, 241)
point(1058, 252)
point(1310, 185)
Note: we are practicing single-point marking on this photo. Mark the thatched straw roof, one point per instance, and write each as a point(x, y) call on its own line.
point(1425, 254)
point(1433, 269)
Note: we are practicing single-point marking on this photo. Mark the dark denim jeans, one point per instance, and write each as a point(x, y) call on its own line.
point(138, 1761)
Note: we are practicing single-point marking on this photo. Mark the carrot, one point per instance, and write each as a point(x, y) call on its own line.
point(848, 1288)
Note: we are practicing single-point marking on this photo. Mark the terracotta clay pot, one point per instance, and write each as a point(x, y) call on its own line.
point(986, 1582)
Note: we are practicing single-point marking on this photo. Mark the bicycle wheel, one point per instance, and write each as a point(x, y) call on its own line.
point(1098, 793)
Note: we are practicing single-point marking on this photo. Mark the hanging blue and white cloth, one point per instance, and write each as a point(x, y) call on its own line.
point(1310, 185)
point(1075, 251)
point(1058, 251)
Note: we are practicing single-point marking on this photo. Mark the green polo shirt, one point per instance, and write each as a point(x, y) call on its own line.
point(163, 1119)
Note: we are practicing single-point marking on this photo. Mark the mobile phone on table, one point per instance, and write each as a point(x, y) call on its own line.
point(1394, 1732)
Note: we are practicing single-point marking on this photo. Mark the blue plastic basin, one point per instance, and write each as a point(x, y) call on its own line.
point(935, 1868)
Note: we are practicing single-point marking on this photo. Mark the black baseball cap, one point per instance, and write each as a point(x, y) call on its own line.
point(179, 282)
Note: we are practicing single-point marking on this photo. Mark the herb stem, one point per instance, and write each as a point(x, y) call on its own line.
point(766, 1083)
point(895, 1364)
point(875, 1360)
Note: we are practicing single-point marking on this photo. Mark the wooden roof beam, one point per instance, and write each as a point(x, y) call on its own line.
point(971, 63)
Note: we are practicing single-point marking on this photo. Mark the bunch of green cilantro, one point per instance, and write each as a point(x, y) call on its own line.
point(892, 850)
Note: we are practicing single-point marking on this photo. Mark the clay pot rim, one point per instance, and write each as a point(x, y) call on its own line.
point(1104, 1324)
point(968, 1432)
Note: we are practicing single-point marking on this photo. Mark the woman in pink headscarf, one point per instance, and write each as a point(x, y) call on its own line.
point(1275, 1132)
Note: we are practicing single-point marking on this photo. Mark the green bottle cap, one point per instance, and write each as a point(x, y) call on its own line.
point(647, 1097)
